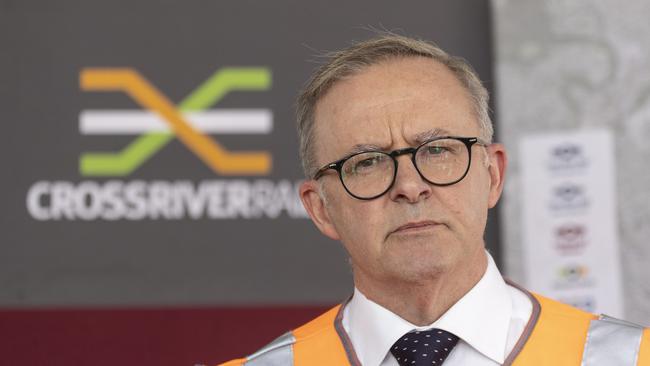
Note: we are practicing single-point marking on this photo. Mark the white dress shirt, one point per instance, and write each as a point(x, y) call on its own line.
point(489, 319)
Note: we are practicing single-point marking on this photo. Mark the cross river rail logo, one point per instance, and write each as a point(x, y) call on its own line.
point(112, 198)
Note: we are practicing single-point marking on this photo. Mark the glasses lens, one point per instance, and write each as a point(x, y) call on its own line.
point(368, 174)
point(443, 161)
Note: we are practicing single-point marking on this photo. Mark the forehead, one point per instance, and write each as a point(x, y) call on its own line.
point(390, 104)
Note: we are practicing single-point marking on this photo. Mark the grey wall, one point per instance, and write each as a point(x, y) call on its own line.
point(564, 65)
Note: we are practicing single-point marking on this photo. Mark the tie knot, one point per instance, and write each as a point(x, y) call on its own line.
point(419, 348)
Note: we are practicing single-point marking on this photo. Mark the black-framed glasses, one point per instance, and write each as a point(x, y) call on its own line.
point(441, 161)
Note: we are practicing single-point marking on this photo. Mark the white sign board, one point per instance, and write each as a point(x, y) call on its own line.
point(569, 219)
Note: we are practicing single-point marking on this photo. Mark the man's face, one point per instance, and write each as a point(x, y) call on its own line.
point(415, 230)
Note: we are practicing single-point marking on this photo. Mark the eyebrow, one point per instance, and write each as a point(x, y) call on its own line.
point(359, 148)
point(428, 135)
point(419, 139)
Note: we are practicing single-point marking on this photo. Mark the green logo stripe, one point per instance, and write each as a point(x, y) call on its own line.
point(223, 82)
point(145, 146)
point(127, 160)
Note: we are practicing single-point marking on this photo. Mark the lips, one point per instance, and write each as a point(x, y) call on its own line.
point(414, 226)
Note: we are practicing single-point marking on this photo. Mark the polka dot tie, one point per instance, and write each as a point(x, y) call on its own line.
point(420, 348)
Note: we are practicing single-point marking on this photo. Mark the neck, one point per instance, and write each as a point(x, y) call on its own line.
point(423, 301)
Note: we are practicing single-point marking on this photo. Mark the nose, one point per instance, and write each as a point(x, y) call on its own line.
point(409, 185)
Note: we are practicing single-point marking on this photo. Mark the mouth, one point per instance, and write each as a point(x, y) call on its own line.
point(415, 227)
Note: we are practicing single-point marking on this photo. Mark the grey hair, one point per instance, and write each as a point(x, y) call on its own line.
point(348, 62)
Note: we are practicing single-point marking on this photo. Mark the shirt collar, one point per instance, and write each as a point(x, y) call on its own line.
point(481, 318)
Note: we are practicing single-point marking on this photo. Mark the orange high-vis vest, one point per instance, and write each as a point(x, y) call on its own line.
point(556, 335)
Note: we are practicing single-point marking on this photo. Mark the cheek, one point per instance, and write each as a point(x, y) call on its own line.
point(469, 210)
point(361, 223)
point(358, 223)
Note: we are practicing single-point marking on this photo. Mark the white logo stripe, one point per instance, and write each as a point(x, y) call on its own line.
point(133, 122)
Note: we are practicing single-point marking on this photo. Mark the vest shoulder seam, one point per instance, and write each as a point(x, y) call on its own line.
point(555, 308)
point(286, 340)
point(264, 351)
point(312, 328)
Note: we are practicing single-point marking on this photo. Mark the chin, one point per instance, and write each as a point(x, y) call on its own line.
point(421, 267)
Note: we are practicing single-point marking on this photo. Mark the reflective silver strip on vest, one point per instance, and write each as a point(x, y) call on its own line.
point(612, 341)
point(277, 353)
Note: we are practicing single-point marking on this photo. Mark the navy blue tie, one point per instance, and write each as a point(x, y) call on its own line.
point(420, 348)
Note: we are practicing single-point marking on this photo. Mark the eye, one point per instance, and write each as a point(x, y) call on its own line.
point(441, 149)
point(435, 150)
point(365, 163)
point(368, 163)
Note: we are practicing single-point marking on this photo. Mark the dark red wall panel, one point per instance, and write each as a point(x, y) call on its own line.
point(161, 337)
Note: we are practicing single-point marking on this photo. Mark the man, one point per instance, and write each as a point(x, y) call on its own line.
point(396, 142)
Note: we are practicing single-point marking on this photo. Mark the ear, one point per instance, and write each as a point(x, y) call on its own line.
point(497, 169)
point(315, 206)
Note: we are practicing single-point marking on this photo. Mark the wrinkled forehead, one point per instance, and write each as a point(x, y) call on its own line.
point(392, 104)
